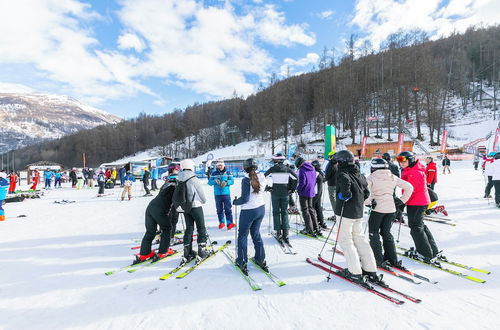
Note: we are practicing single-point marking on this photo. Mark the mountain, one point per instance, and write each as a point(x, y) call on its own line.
point(31, 118)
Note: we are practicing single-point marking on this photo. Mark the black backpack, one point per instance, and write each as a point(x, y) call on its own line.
point(180, 196)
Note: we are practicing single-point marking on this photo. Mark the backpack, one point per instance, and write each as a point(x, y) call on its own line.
point(180, 196)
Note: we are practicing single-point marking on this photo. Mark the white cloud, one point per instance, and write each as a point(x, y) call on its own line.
point(289, 65)
point(327, 14)
point(380, 18)
point(14, 88)
point(130, 41)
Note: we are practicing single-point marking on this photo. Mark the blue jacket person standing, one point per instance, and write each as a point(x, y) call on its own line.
point(221, 179)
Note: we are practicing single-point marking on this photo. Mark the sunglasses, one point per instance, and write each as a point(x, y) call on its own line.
point(401, 159)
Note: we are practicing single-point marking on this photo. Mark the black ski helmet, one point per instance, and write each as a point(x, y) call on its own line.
point(249, 164)
point(299, 161)
point(379, 164)
point(316, 164)
point(344, 156)
point(386, 156)
point(406, 155)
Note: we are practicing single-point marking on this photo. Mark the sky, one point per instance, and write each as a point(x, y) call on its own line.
point(155, 56)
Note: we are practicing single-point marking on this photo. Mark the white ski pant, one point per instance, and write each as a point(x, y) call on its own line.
point(357, 250)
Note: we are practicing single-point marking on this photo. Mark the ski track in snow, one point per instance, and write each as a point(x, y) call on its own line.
point(53, 263)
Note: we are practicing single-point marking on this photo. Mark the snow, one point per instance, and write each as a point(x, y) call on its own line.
point(53, 263)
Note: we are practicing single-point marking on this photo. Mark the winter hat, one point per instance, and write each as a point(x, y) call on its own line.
point(187, 164)
point(299, 161)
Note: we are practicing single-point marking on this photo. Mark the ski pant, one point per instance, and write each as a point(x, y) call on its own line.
point(156, 216)
point(153, 185)
point(127, 190)
point(489, 185)
point(2, 212)
point(431, 185)
point(12, 187)
point(74, 182)
point(308, 213)
point(146, 187)
point(446, 167)
point(57, 182)
point(357, 251)
point(280, 211)
point(174, 218)
point(496, 184)
point(101, 188)
point(422, 237)
point(223, 205)
point(476, 164)
point(48, 183)
point(379, 224)
point(90, 183)
point(79, 185)
point(318, 207)
point(332, 196)
point(250, 221)
point(291, 202)
point(194, 216)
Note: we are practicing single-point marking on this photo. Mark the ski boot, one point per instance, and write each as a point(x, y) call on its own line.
point(243, 268)
point(143, 257)
point(440, 256)
point(203, 253)
point(332, 218)
point(399, 265)
point(356, 278)
point(189, 255)
point(323, 225)
point(307, 233)
point(284, 237)
point(231, 226)
point(385, 265)
point(159, 256)
point(318, 232)
point(279, 234)
point(262, 264)
point(222, 225)
point(374, 278)
point(487, 196)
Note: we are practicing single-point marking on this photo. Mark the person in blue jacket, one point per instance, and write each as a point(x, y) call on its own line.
point(154, 177)
point(128, 181)
point(4, 186)
point(48, 174)
point(58, 179)
point(121, 173)
point(221, 179)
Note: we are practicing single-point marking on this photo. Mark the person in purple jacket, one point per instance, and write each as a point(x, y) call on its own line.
point(305, 189)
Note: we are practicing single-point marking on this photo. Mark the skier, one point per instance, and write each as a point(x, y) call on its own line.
point(4, 186)
point(446, 164)
point(414, 173)
point(90, 180)
point(122, 172)
point(495, 177)
point(318, 197)
point(35, 178)
point(476, 162)
point(171, 179)
point(331, 170)
point(128, 180)
point(101, 181)
point(381, 184)
point(193, 215)
point(251, 215)
point(154, 177)
point(431, 172)
point(12, 182)
point(57, 178)
point(85, 172)
point(393, 167)
point(221, 180)
point(305, 190)
point(280, 176)
point(145, 182)
point(79, 179)
point(488, 173)
point(72, 176)
point(352, 191)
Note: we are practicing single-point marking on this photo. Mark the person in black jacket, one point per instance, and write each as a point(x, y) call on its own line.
point(393, 167)
point(446, 164)
point(159, 212)
point(145, 181)
point(352, 190)
point(331, 170)
point(318, 198)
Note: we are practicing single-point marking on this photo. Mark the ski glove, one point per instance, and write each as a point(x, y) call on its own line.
point(373, 204)
point(342, 197)
point(234, 200)
point(268, 188)
point(399, 204)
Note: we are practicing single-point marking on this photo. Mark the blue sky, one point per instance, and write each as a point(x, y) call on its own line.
point(128, 56)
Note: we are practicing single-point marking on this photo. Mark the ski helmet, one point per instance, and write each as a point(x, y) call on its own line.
point(406, 156)
point(316, 164)
point(249, 164)
point(492, 154)
point(386, 156)
point(379, 164)
point(344, 156)
point(497, 155)
point(331, 154)
point(299, 161)
point(278, 158)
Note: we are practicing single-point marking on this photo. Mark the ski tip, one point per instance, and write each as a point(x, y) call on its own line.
point(228, 242)
point(214, 243)
point(108, 273)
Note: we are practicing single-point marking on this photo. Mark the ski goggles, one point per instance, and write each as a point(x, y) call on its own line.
point(401, 159)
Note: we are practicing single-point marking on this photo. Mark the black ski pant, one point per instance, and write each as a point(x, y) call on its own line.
point(489, 185)
point(379, 224)
point(308, 213)
point(496, 184)
point(318, 207)
point(280, 211)
point(156, 216)
point(153, 185)
point(194, 216)
point(101, 188)
point(146, 183)
point(431, 185)
point(174, 218)
point(291, 202)
point(422, 237)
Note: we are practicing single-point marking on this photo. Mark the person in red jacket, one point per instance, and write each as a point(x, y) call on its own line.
point(35, 178)
point(414, 172)
point(13, 182)
point(431, 172)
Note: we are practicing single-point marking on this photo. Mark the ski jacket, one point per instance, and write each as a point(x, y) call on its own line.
point(415, 175)
point(320, 178)
point(128, 179)
point(331, 170)
point(145, 177)
point(122, 172)
point(381, 185)
point(495, 172)
point(281, 175)
point(72, 175)
point(13, 178)
point(163, 200)
point(154, 174)
point(394, 169)
point(250, 199)
point(91, 174)
point(307, 180)
point(101, 178)
point(58, 175)
point(431, 173)
point(107, 174)
point(4, 186)
point(488, 166)
point(352, 185)
point(446, 161)
point(221, 180)
point(194, 188)
point(48, 175)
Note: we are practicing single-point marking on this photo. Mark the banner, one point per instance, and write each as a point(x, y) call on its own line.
point(330, 140)
point(401, 140)
point(444, 141)
point(363, 146)
point(495, 142)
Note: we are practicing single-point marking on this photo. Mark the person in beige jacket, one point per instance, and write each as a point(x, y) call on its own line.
point(382, 184)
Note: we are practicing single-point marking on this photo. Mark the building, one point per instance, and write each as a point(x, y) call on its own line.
point(377, 149)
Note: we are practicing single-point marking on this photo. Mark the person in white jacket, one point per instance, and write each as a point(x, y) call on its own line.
point(488, 173)
point(495, 176)
point(382, 183)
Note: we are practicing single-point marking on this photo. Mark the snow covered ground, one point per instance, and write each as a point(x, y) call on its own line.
point(53, 263)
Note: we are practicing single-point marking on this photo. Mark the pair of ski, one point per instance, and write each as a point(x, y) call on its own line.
point(192, 264)
point(370, 287)
point(287, 248)
point(253, 283)
point(135, 267)
point(448, 270)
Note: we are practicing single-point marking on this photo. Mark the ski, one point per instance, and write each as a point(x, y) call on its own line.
point(199, 262)
point(176, 269)
point(368, 287)
point(420, 277)
point(126, 267)
point(134, 269)
point(271, 276)
point(319, 238)
point(385, 287)
point(444, 222)
point(456, 264)
point(450, 271)
point(253, 284)
point(285, 247)
point(290, 248)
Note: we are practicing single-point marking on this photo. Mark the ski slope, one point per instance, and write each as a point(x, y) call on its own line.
point(53, 263)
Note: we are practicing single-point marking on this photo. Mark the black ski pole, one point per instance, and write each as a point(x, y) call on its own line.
point(326, 241)
point(399, 229)
point(270, 211)
point(236, 229)
point(336, 239)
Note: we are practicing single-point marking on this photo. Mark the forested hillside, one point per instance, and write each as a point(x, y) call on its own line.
point(411, 78)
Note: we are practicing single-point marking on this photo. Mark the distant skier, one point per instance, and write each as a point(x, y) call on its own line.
point(101, 181)
point(90, 179)
point(431, 172)
point(414, 173)
point(122, 172)
point(4, 186)
point(79, 179)
point(48, 175)
point(476, 162)
point(12, 181)
point(35, 178)
point(496, 178)
point(72, 176)
point(145, 182)
point(128, 181)
point(318, 197)
point(221, 179)
point(446, 164)
point(306, 192)
point(251, 215)
point(488, 173)
point(154, 178)
point(330, 178)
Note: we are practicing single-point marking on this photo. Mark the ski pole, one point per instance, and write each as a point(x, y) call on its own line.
point(235, 216)
point(270, 211)
point(319, 255)
point(399, 229)
point(336, 240)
